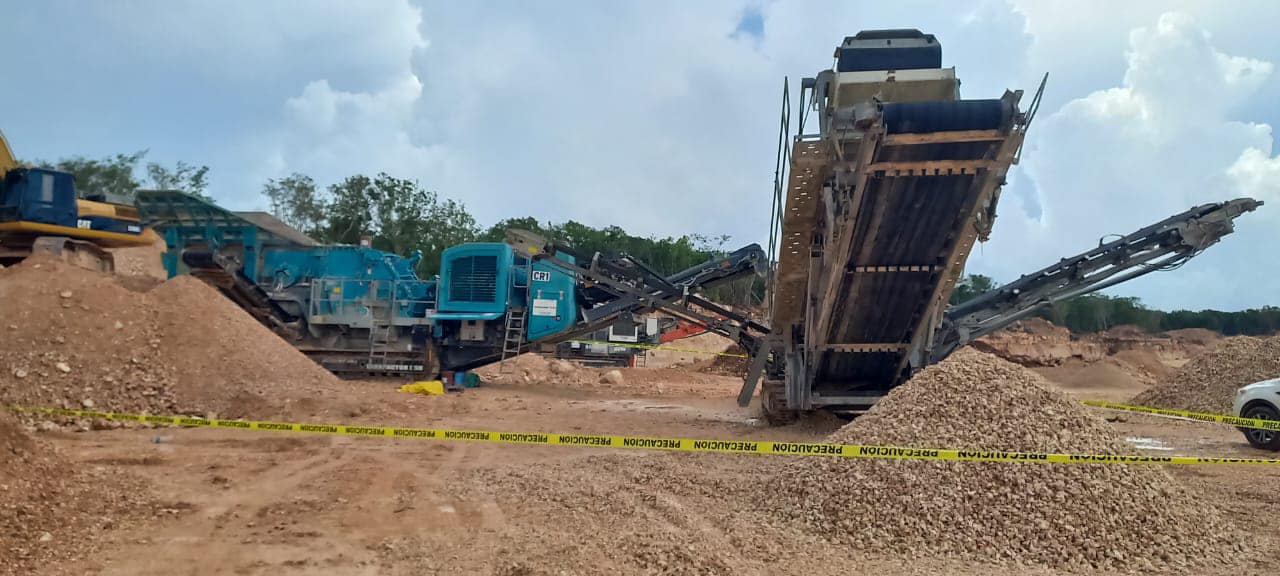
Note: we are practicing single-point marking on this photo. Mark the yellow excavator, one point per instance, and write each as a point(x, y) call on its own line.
point(40, 212)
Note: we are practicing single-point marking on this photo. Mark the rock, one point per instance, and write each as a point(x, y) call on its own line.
point(1208, 382)
point(46, 537)
point(119, 325)
point(65, 294)
point(998, 512)
point(47, 426)
point(63, 367)
point(19, 373)
point(562, 367)
point(612, 377)
point(87, 403)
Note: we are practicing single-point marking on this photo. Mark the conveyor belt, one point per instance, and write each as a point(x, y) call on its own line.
point(809, 166)
point(907, 192)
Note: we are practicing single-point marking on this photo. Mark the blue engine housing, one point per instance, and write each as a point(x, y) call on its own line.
point(347, 285)
point(354, 308)
point(481, 281)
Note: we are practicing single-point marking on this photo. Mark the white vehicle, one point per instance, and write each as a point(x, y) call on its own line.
point(1260, 400)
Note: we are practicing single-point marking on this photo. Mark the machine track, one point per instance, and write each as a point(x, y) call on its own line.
point(773, 404)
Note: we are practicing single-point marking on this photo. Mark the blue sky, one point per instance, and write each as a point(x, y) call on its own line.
point(661, 116)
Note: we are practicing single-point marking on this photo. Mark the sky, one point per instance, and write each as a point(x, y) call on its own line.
point(662, 116)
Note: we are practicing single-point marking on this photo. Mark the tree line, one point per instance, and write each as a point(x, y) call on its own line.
point(1099, 312)
point(401, 216)
point(115, 178)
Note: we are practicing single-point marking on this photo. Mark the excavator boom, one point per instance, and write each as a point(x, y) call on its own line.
point(7, 160)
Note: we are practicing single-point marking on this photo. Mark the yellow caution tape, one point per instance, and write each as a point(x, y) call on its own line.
point(652, 347)
point(660, 443)
point(1188, 415)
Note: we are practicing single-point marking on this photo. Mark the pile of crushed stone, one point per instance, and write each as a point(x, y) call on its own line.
point(75, 338)
point(1209, 381)
point(1065, 516)
point(735, 365)
point(51, 510)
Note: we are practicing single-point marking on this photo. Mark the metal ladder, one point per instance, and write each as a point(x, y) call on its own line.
point(513, 334)
point(380, 329)
point(513, 337)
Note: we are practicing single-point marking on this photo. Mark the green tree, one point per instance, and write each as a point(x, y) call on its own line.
point(296, 202)
point(350, 211)
point(971, 286)
point(446, 223)
point(1252, 322)
point(111, 177)
point(497, 232)
point(184, 177)
point(665, 255)
point(399, 215)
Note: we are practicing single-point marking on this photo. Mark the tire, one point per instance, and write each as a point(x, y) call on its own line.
point(1258, 438)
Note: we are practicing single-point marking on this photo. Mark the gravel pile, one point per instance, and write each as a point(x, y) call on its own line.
point(729, 365)
point(1065, 516)
point(1208, 382)
point(51, 510)
point(222, 359)
point(74, 338)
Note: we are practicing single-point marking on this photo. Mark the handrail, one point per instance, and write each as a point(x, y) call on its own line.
point(782, 163)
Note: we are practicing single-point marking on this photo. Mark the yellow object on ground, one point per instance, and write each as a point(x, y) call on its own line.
point(428, 387)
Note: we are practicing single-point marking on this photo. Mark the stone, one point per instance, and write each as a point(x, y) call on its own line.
point(1002, 512)
point(562, 367)
point(1208, 382)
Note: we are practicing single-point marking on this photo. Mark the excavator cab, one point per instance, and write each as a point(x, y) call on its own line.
point(41, 213)
point(39, 196)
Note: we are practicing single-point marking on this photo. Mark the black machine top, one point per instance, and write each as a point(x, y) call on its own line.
point(896, 49)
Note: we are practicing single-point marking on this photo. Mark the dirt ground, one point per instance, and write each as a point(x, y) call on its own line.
point(269, 503)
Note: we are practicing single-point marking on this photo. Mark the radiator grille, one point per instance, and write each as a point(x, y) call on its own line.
point(473, 279)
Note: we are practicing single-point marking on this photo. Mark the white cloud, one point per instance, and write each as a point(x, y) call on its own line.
point(1257, 174)
point(655, 117)
point(1123, 157)
point(336, 133)
point(248, 40)
point(330, 133)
